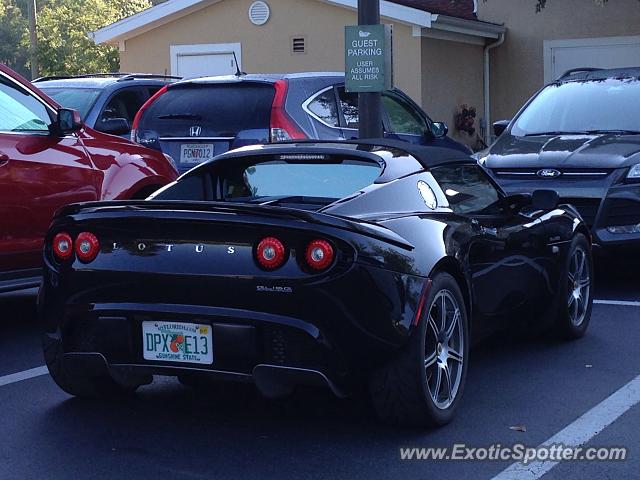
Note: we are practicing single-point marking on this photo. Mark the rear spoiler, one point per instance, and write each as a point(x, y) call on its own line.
point(141, 208)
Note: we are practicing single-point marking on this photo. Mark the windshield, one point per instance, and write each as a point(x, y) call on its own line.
point(80, 99)
point(279, 179)
point(582, 107)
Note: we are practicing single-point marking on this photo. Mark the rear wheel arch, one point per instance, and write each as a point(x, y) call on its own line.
point(584, 230)
point(451, 266)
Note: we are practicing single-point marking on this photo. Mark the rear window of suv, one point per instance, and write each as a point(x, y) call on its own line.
point(220, 110)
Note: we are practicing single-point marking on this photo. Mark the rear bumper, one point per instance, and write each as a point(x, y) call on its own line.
point(327, 345)
point(271, 380)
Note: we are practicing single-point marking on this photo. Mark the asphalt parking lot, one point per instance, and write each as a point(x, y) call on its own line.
point(540, 385)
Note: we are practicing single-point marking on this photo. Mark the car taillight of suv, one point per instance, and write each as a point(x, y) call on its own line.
point(136, 120)
point(282, 127)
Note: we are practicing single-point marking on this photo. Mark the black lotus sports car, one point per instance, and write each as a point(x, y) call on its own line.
point(329, 264)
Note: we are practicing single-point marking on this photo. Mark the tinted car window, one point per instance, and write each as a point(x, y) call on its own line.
point(221, 110)
point(124, 104)
point(324, 107)
point(20, 112)
point(279, 178)
point(349, 107)
point(468, 189)
point(81, 99)
point(577, 107)
point(403, 118)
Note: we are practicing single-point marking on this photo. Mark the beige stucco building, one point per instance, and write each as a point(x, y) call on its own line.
point(446, 56)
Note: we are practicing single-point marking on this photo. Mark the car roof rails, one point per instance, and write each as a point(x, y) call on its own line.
point(573, 71)
point(88, 75)
point(134, 76)
point(121, 76)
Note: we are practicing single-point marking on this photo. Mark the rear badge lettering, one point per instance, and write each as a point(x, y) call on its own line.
point(231, 250)
point(262, 288)
point(167, 247)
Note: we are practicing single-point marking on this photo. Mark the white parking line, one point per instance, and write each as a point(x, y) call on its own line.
point(617, 302)
point(24, 375)
point(579, 432)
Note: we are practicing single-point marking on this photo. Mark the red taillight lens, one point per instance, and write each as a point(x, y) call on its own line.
point(270, 253)
point(136, 119)
point(62, 246)
point(87, 246)
point(319, 254)
point(282, 127)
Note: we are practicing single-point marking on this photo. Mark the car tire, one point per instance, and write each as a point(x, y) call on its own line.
point(423, 384)
point(100, 386)
point(576, 291)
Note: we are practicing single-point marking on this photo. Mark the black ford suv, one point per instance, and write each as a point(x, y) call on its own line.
point(106, 102)
point(580, 136)
point(195, 120)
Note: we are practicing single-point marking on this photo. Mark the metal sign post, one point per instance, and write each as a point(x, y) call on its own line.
point(369, 103)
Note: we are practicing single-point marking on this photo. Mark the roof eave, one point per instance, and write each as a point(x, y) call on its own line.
point(463, 26)
point(147, 20)
point(173, 9)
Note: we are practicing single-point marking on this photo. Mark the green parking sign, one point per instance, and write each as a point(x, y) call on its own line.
point(368, 58)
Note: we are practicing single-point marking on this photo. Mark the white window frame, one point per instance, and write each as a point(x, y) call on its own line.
point(550, 45)
point(176, 51)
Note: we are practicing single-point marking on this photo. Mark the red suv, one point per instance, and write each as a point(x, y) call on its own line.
point(48, 159)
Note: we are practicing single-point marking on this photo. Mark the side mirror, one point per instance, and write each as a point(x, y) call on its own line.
point(68, 121)
point(114, 126)
point(517, 201)
point(440, 129)
point(500, 126)
point(545, 199)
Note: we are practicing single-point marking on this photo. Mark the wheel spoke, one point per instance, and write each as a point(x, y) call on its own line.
point(574, 310)
point(455, 356)
point(431, 359)
point(447, 374)
point(443, 312)
point(571, 299)
point(581, 264)
point(454, 323)
point(434, 327)
point(436, 391)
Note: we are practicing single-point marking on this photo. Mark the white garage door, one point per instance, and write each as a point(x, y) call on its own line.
point(608, 52)
point(204, 60)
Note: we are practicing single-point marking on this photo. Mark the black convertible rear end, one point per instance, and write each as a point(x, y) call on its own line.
point(310, 264)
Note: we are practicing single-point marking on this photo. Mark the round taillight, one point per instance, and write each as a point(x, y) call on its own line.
point(62, 246)
point(270, 253)
point(319, 254)
point(87, 246)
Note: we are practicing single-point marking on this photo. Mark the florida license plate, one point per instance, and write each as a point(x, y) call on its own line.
point(177, 342)
point(196, 152)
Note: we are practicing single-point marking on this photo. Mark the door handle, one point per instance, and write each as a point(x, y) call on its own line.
point(4, 158)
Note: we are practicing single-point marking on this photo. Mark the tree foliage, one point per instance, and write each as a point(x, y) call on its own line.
point(13, 37)
point(64, 46)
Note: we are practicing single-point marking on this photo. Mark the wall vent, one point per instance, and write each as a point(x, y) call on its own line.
point(259, 13)
point(298, 45)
